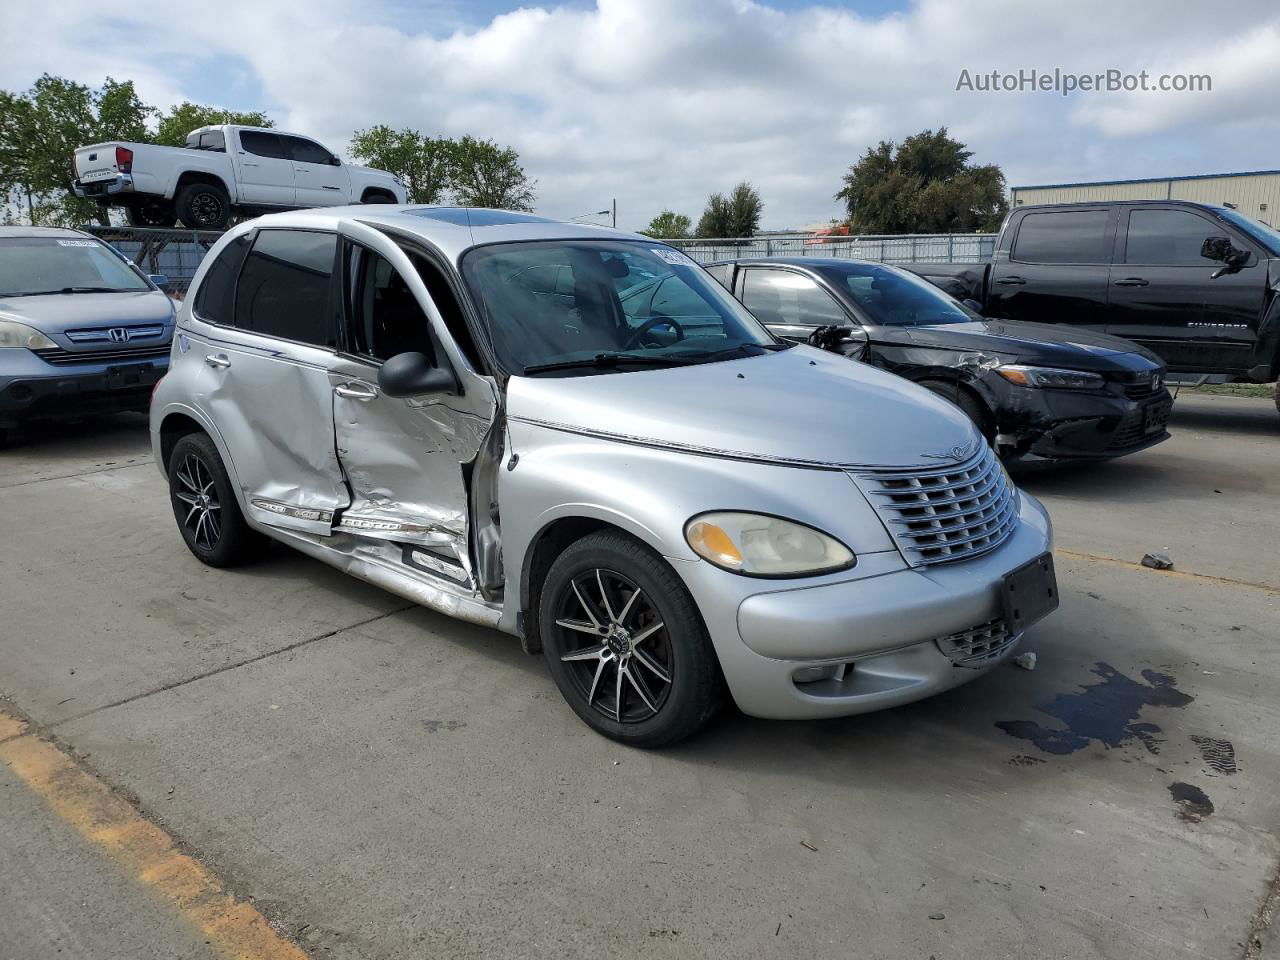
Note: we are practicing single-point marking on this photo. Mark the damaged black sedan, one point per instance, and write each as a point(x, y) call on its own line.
point(1040, 393)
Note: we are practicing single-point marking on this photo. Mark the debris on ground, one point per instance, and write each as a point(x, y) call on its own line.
point(806, 844)
point(937, 916)
point(1027, 661)
point(1157, 561)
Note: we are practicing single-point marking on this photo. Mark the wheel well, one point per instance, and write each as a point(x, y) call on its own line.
point(194, 176)
point(371, 192)
point(958, 387)
point(174, 427)
point(549, 543)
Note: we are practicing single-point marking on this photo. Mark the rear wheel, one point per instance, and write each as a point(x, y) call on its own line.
point(149, 215)
point(203, 206)
point(205, 506)
point(625, 643)
point(974, 408)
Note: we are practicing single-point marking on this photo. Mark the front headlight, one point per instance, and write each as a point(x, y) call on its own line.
point(15, 334)
point(1049, 377)
point(757, 545)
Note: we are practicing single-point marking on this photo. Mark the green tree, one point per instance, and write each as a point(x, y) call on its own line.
point(185, 117)
point(716, 218)
point(40, 130)
point(425, 164)
point(668, 225)
point(923, 185)
point(737, 215)
point(486, 175)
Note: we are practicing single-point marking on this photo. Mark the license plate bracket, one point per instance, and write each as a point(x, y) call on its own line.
point(1154, 418)
point(128, 375)
point(1030, 593)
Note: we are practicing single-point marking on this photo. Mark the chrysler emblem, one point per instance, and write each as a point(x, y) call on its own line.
point(957, 453)
point(118, 334)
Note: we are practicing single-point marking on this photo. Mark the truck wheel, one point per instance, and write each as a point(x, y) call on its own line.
point(203, 206)
point(974, 408)
point(149, 215)
point(205, 506)
point(377, 196)
point(625, 643)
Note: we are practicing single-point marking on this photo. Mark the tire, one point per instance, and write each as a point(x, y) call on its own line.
point(203, 206)
point(205, 506)
point(670, 679)
point(149, 215)
point(378, 197)
point(973, 408)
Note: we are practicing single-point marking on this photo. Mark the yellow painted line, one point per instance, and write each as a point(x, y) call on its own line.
point(233, 928)
point(1175, 574)
point(10, 726)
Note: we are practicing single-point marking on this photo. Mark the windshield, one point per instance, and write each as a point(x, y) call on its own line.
point(894, 298)
point(573, 304)
point(34, 265)
point(1266, 235)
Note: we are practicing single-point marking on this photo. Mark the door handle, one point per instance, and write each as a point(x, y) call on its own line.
point(1011, 281)
point(355, 391)
point(247, 163)
point(301, 170)
point(1131, 282)
point(218, 361)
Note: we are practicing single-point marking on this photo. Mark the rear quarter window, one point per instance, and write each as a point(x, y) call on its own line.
point(215, 298)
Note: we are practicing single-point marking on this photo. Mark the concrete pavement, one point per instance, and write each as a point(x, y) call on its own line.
point(383, 782)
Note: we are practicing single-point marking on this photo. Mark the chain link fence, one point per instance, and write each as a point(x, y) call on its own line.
point(174, 253)
point(177, 253)
point(903, 248)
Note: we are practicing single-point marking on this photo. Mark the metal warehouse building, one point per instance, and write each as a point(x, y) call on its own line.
point(1255, 194)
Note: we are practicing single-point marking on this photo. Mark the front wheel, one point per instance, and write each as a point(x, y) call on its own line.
point(203, 206)
point(625, 643)
point(205, 506)
point(974, 408)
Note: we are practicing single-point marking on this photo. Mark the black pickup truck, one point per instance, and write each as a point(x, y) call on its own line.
point(1198, 285)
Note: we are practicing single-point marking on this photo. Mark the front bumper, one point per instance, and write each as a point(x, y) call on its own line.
point(80, 392)
point(101, 189)
point(1065, 425)
point(853, 646)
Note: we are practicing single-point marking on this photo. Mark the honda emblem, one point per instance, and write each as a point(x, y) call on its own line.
point(118, 334)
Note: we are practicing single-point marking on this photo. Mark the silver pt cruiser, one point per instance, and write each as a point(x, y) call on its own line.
point(575, 435)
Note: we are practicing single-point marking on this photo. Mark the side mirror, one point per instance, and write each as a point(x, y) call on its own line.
point(159, 279)
point(1224, 251)
point(335, 162)
point(973, 305)
point(414, 375)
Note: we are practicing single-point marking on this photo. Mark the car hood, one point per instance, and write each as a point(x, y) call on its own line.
point(58, 312)
point(801, 406)
point(1046, 344)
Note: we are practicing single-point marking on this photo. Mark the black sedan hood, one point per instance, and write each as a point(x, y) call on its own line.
point(1042, 344)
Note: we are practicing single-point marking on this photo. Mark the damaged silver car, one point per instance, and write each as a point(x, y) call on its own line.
point(577, 436)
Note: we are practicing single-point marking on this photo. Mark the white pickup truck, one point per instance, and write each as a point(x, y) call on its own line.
point(224, 171)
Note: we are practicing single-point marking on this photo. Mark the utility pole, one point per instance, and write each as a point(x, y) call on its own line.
point(615, 213)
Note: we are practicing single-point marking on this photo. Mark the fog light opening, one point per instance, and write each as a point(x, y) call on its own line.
point(827, 671)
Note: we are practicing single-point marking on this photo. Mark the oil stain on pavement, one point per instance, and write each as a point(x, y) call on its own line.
point(1107, 712)
point(1193, 804)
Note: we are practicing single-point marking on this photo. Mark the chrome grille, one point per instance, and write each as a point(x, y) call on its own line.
point(976, 644)
point(138, 354)
point(103, 334)
point(948, 513)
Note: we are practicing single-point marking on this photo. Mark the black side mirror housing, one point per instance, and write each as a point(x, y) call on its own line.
point(159, 279)
point(414, 375)
point(335, 162)
point(973, 305)
point(1224, 251)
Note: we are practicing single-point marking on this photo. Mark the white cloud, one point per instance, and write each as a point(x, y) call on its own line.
point(660, 102)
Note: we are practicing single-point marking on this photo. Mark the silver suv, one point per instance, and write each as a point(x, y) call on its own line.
point(578, 437)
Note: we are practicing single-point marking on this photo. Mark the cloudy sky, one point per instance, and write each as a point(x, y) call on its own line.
point(660, 102)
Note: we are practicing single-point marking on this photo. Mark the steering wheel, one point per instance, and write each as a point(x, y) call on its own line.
point(633, 341)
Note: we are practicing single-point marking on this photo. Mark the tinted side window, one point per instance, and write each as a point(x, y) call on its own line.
point(780, 296)
point(385, 317)
point(1168, 237)
point(721, 272)
point(262, 144)
point(213, 140)
point(1074, 236)
point(284, 287)
point(306, 151)
point(215, 300)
